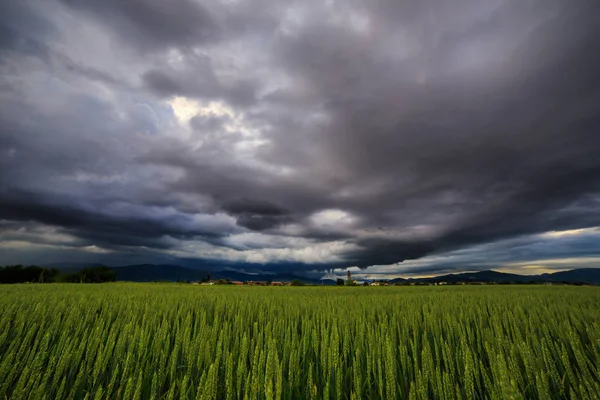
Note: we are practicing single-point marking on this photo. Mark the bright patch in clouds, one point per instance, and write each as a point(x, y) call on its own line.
point(96, 249)
point(309, 252)
point(332, 219)
point(185, 109)
point(572, 232)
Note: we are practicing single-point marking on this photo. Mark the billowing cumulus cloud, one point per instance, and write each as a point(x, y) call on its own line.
point(325, 133)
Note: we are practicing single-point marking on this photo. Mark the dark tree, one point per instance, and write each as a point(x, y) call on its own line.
point(92, 275)
point(339, 282)
point(20, 274)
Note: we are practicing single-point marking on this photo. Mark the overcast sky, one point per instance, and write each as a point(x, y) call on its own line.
point(399, 137)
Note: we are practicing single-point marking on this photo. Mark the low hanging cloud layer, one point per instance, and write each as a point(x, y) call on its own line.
point(321, 133)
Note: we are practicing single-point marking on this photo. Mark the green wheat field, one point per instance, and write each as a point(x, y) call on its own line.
point(163, 341)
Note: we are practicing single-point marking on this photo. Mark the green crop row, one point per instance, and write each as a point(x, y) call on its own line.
point(157, 341)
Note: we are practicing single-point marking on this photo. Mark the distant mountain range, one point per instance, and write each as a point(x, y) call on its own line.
point(70, 266)
point(583, 275)
point(152, 272)
point(174, 273)
point(170, 272)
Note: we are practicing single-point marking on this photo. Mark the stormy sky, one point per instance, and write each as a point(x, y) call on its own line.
point(396, 137)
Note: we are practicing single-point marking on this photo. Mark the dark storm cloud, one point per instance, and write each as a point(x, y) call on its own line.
point(499, 154)
point(386, 130)
point(578, 249)
point(21, 30)
point(384, 252)
point(153, 23)
point(97, 227)
point(253, 206)
point(261, 222)
point(257, 214)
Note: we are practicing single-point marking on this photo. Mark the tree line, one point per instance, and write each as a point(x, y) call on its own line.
point(36, 274)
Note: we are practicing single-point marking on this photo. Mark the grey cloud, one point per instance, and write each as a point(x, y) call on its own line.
point(208, 122)
point(383, 252)
point(257, 214)
point(549, 252)
point(201, 82)
point(261, 222)
point(109, 230)
point(490, 147)
point(22, 27)
point(434, 126)
point(253, 206)
point(91, 73)
point(445, 143)
point(161, 83)
point(152, 23)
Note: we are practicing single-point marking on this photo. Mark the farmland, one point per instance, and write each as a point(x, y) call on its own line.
point(142, 341)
